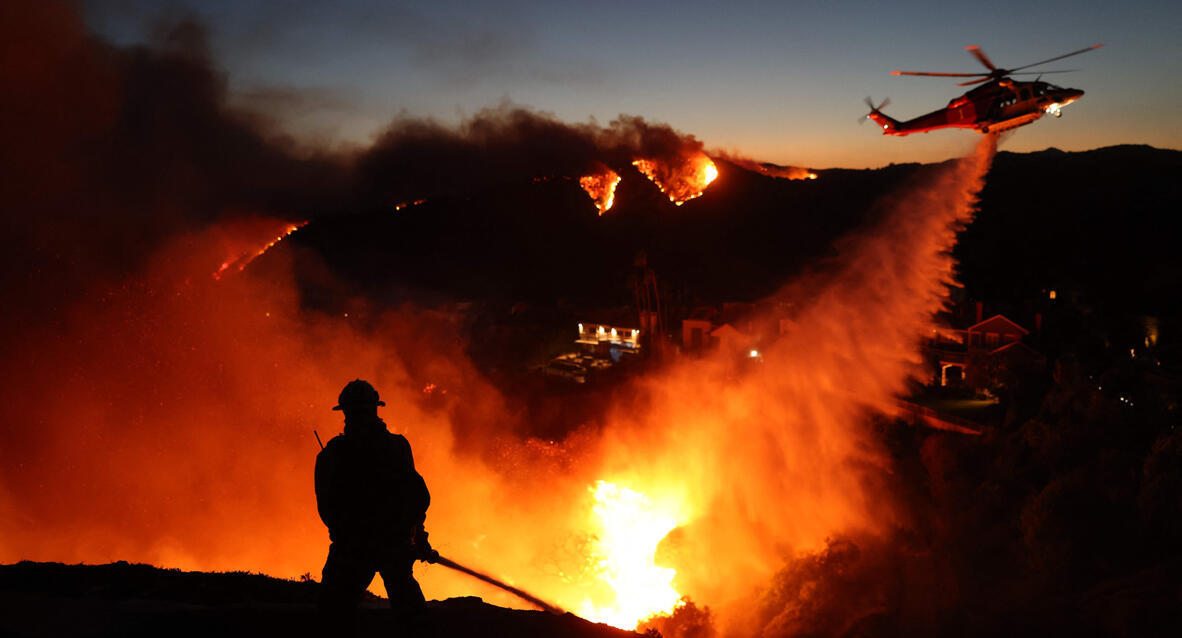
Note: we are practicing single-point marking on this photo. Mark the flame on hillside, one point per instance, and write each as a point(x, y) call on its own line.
point(601, 187)
point(405, 205)
point(243, 251)
point(767, 168)
point(780, 172)
point(683, 180)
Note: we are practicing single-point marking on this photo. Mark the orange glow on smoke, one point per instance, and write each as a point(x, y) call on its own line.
point(680, 181)
point(170, 421)
point(601, 187)
point(241, 258)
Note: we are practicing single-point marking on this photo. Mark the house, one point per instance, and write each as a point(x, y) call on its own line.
point(696, 329)
point(610, 334)
point(731, 328)
point(977, 356)
point(993, 333)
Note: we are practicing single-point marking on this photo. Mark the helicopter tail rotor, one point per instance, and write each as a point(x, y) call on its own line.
point(889, 125)
point(874, 110)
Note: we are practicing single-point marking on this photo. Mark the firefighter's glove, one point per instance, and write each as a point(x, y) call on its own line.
point(423, 549)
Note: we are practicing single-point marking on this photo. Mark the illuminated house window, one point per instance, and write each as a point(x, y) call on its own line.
point(595, 335)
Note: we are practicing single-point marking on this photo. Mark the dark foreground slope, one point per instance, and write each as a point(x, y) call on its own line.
point(64, 601)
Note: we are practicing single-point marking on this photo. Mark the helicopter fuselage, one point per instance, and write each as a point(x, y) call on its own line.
point(996, 106)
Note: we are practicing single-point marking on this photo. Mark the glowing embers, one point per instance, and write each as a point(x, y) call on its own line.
point(629, 528)
point(242, 256)
point(403, 205)
point(682, 181)
point(777, 171)
point(601, 187)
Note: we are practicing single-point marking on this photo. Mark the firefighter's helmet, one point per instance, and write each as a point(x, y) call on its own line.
point(358, 393)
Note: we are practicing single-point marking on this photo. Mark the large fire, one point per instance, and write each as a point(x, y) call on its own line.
point(182, 434)
point(680, 181)
point(628, 529)
point(601, 187)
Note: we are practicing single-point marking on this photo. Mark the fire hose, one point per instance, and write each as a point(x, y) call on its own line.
point(545, 606)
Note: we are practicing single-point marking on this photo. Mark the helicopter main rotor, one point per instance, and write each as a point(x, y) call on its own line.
point(995, 72)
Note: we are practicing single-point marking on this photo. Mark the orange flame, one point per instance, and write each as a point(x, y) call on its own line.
point(409, 204)
point(243, 258)
point(602, 188)
point(766, 168)
point(629, 528)
point(682, 181)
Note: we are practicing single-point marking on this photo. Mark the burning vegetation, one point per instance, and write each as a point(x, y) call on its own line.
point(681, 180)
point(240, 257)
point(768, 168)
point(601, 188)
point(628, 528)
point(416, 159)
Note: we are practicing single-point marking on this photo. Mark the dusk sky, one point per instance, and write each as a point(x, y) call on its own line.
point(778, 81)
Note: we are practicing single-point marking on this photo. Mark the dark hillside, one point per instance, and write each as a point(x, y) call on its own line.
point(120, 599)
point(543, 241)
point(1105, 223)
point(1102, 222)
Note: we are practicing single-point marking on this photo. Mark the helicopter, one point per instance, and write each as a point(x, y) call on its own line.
point(999, 104)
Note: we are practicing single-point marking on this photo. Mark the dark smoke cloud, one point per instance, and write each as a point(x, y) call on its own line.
point(416, 157)
point(108, 152)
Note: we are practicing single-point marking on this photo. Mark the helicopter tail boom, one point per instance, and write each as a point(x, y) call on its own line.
point(890, 126)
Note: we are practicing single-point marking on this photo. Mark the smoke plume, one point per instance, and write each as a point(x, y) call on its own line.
point(416, 158)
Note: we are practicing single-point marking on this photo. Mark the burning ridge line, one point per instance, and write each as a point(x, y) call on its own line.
point(243, 260)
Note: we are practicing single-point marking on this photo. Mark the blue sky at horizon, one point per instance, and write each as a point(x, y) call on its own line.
point(777, 81)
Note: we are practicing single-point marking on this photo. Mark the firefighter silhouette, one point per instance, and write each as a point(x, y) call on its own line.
point(374, 504)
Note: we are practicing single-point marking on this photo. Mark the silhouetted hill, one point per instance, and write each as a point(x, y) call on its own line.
point(1102, 220)
point(1103, 223)
point(120, 599)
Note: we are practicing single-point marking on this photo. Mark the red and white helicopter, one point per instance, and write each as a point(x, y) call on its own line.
point(999, 104)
